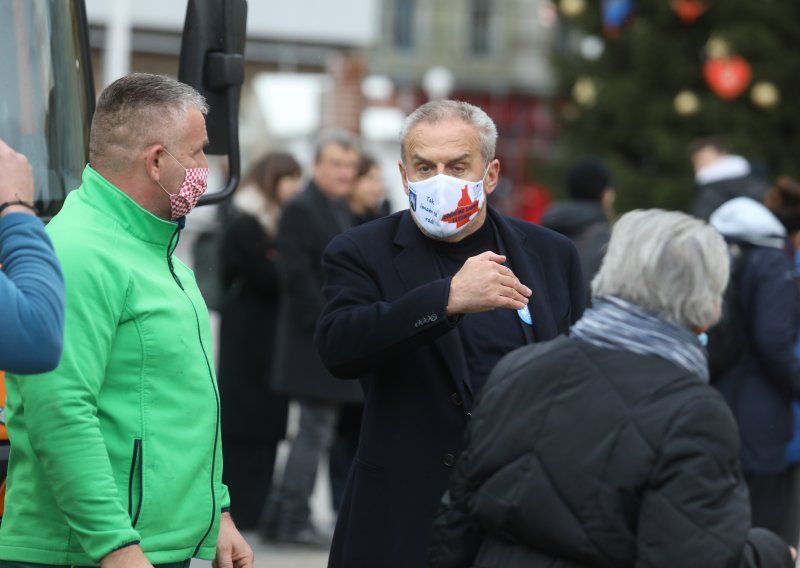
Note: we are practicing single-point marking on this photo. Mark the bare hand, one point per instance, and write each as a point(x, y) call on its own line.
point(483, 284)
point(793, 552)
point(232, 550)
point(16, 179)
point(128, 557)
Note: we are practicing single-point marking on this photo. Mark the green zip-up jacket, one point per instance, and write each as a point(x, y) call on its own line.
point(121, 443)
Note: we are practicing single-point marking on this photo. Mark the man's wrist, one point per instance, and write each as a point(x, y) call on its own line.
point(124, 556)
point(9, 207)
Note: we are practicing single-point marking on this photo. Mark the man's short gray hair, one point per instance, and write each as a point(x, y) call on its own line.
point(340, 138)
point(136, 111)
point(667, 262)
point(438, 111)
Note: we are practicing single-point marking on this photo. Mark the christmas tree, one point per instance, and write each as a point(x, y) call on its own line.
point(639, 80)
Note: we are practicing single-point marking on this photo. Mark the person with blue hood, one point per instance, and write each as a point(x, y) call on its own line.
point(760, 385)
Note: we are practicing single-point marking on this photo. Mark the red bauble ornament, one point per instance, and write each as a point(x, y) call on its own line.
point(728, 77)
point(689, 10)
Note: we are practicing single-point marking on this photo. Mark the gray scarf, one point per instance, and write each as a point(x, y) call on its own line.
point(613, 323)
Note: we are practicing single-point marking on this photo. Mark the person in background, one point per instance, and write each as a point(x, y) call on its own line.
point(31, 287)
point(421, 304)
point(367, 202)
point(721, 176)
point(584, 218)
point(783, 199)
point(309, 221)
point(116, 455)
point(253, 416)
point(31, 284)
point(761, 383)
point(608, 447)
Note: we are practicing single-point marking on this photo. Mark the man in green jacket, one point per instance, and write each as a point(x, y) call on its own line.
point(116, 457)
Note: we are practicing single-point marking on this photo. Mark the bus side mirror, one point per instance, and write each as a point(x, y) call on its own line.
point(212, 61)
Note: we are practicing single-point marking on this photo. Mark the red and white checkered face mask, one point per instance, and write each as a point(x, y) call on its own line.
point(194, 185)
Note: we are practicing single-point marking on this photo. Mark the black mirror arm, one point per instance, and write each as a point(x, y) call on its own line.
point(225, 71)
point(234, 159)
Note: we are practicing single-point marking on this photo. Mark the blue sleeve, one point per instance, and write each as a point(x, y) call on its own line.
point(31, 297)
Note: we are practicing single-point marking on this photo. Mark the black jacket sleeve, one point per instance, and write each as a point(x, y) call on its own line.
point(359, 330)
point(696, 503)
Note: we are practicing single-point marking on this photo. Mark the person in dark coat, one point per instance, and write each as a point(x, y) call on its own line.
point(309, 221)
point(783, 199)
point(608, 447)
point(760, 386)
point(584, 218)
point(421, 304)
point(253, 416)
point(367, 202)
point(721, 176)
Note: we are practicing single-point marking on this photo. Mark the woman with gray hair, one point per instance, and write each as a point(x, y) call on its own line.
point(608, 447)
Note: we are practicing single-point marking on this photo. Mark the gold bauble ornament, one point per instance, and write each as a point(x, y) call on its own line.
point(572, 8)
point(585, 92)
point(765, 94)
point(717, 48)
point(686, 103)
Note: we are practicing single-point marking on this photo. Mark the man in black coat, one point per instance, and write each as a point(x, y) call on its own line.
point(309, 221)
point(421, 304)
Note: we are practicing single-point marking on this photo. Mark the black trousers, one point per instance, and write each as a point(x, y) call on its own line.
point(770, 504)
point(248, 472)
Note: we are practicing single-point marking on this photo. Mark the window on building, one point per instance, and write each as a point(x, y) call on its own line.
point(404, 23)
point(480, 15)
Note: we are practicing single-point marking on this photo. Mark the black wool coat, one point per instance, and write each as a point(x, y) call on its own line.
point(581, 456)
point(308, 223)
point(251, 412)
point(385, 323)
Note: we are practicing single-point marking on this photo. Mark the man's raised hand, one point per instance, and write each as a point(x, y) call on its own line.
point(483, 283)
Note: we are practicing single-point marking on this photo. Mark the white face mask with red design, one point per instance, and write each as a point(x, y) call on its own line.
point(443, 205)
point(194, 185)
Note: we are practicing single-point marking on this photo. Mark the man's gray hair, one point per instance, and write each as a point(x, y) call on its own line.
point(136, 111)
point(438, 111)
point(667, 262)
point(340, 138)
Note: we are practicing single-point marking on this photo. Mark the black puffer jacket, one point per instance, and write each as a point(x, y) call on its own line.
point(582, 456)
